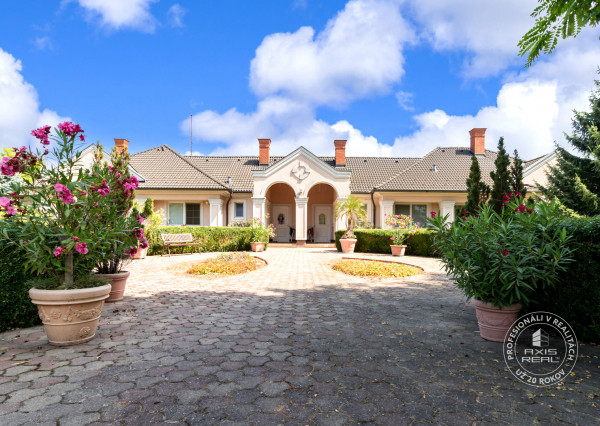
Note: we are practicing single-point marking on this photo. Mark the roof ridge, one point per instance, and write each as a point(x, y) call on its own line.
point(196, 168)
point(420, 160)
point(150, 149)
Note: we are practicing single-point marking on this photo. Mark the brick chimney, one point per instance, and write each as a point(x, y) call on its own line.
point(477, 140)
point(263, 151)
point(121, 145)
point(340, 152)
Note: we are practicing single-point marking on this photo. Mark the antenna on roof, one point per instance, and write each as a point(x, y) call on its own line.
point(191, 147)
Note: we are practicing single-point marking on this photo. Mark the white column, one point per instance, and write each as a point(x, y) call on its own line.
point(387, 207)
point(369, 205)
point(301, 219)
point(447, 208)
point(258, 208)
point(216, 211)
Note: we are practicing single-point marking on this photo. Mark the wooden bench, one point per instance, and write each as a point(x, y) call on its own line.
point(177, 240)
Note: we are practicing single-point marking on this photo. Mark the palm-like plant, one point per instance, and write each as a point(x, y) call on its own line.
point(354, 209)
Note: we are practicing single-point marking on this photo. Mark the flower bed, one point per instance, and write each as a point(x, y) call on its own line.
point(226, 264)
point(375, 268)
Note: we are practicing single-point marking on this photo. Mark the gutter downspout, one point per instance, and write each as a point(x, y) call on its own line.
point(227, 207)
point(373, 209)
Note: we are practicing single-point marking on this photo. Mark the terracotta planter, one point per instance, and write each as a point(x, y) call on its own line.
point(258, 246)
point(141, 253)
point(398, 250)
point(117, 285)
point(348, 245)
point(493, 321)
point(70, 317)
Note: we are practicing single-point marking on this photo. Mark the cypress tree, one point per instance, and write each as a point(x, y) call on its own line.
point(501, 178)
point(516, 175)
point(477, 191)
point(575, 180)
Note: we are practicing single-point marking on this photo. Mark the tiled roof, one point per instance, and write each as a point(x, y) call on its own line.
point(163, 168)
point(452, 167)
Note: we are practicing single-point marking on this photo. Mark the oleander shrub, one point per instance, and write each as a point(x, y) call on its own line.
point(16, 309)
point(420, 243)
point(576, 296)
point(211, 238)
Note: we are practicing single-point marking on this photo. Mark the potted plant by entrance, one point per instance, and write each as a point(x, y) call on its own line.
point(501, 260)
point(260, 234)
point(51, 214)
point(354, 210)
point(116, 254)
point(403, 226)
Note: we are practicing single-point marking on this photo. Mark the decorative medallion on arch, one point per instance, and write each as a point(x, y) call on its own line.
point(301, 171)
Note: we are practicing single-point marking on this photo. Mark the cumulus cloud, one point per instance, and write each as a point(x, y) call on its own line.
point(358, 54)
point(120, 14)
point(488, 30)
point(19, 106)
point(405, 100)
point(175, 15)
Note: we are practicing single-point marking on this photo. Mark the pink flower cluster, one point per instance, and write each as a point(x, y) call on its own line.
point(57, 252)
point(523, 209)
point(70, 129)
point(103, 189)
point(130, 184)
point(42, 134)
point(81, 248)
point(9, 209)
point(131, 251)
point(10, 166)
point(506, 198)
point(63, 193)
point(432, 215)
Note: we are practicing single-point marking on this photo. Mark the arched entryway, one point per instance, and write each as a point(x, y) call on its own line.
point(321, 213)
point(280, 204)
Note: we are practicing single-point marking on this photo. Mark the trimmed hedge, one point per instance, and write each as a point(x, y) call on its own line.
point(211, 238)
point(16, 309)
point(378, 241)
point(577, 296)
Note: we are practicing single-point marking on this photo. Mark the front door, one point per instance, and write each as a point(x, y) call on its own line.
point(323, 224)
point(282, 220)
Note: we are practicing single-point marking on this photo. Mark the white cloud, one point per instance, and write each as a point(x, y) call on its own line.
point(120, 14)
point(405, 100)
point(358, 54)
point(19, 106)
point(488, 30)
point(175, 15)
point(43, 43)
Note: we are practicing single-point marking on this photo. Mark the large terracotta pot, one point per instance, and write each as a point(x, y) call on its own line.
point(117, 285)
point(70, 317)
point(257, 246)
point(348, 244)
point(141, 253)
point(398, 250)
point(493, 321)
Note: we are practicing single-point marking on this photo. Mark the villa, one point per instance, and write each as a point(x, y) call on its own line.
point(299, 190)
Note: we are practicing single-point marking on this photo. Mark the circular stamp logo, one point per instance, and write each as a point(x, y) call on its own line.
point(540, 349)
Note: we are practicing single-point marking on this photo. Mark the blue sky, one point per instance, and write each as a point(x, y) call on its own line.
point(394, 77)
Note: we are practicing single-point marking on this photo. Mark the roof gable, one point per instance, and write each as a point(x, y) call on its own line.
point(312, 159)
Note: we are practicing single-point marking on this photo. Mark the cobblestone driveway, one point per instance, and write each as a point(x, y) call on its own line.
point(294, 342)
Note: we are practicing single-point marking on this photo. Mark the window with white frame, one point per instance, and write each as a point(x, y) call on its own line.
point(185, 213)
point(418, 212)
point(239, 210)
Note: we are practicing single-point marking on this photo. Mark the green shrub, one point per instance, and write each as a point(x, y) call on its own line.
point(378, 241)
point(576, 297)
point(16, 309)
point(210, 238)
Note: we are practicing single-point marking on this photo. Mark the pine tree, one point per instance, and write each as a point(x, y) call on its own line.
point(574, 180)
point(477, 191)
point(516, 176)
point(501, 178)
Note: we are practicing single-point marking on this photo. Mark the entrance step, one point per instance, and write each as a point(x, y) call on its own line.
point(307, 245)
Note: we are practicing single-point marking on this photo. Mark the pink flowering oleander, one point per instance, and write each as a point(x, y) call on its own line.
point(140, 219)
point(4, 202)
point(143, 244)
point(432, 215)
point(57, 252)
point(139, 233)
point(11, 210)
point(81, 248)
point(59, 187)
point(82, 138)
point(131, 251)
point(69, 128)
point(42, 134)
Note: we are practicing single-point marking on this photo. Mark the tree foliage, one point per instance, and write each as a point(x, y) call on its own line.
point(556, 19)
point(575, 180)
point(477, 190)
point(501, 178)
point(516, 176)
point(354, 210)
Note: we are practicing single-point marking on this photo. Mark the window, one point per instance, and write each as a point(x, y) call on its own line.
point(418, 212)
point(192, 214)
point(322, 219)
point(185, 214)
point(238, 210)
